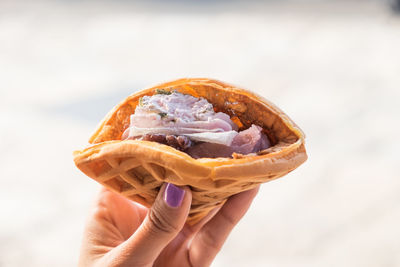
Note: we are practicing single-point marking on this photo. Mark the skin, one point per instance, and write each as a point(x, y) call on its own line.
point(120, 232)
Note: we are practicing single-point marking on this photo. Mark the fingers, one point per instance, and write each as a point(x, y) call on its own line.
point(189, 231)
point(121, 212)
point(212, 236)
point(112, 220)
point(162, 223)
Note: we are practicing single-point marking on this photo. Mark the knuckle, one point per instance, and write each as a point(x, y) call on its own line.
point(228, 218)
point(161, 223)
point(210, 241)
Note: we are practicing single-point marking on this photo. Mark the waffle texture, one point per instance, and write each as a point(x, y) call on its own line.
point(137, 169)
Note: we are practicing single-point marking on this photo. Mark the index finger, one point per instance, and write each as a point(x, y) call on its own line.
point(211, 237)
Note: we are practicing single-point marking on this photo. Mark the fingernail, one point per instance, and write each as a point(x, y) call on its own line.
point(173, 195)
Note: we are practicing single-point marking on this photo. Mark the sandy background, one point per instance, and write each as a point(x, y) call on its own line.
point(333, 67)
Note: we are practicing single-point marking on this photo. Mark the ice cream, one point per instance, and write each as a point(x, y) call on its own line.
point(190, 124)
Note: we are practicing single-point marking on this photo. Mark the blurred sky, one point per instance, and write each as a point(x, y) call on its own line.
point(333, 66)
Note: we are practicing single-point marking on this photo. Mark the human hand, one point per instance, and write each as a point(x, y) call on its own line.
point(120, 232)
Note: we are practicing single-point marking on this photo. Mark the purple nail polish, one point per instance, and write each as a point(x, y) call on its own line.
point(173, 195)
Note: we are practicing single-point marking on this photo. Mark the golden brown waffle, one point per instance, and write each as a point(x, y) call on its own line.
point(137, 169)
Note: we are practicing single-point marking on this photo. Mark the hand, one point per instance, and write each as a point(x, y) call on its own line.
point(121, 233)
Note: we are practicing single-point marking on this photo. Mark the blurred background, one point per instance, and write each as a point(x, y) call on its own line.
point(333, 66)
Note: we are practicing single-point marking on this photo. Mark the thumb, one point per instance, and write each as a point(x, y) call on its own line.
point(163, 222)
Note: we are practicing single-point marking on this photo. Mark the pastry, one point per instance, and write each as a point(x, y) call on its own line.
point(216, 138)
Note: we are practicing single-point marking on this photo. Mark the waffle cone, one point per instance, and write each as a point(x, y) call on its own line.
point(137, 169)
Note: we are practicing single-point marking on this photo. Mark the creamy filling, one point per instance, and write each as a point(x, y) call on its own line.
point(175, 115)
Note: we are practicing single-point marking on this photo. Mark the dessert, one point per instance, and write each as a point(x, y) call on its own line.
point(190, 124)
point(211, 136)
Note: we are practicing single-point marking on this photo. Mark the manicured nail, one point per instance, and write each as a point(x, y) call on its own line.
point(173, 195)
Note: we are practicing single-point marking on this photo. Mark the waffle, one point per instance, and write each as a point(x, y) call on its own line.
point(137, 169)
